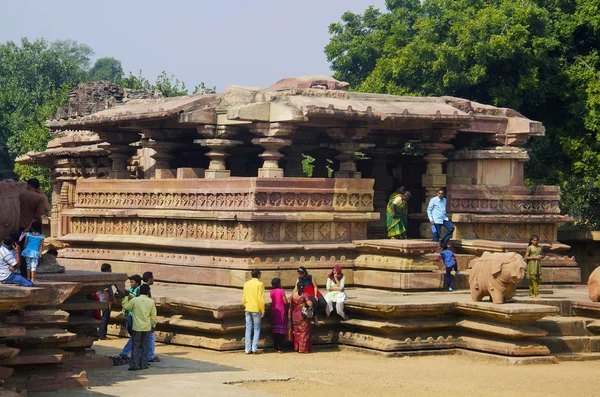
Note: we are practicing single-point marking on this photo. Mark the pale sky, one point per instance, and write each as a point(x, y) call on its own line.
point(252, 42)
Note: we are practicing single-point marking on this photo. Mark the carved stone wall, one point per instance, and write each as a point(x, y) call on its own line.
point(249, 194)
point(290, 232)
point(503, 199)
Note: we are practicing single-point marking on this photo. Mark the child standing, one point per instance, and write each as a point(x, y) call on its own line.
point(533, 255)
point(278, 317)
point(449, 259)
point(34, 242)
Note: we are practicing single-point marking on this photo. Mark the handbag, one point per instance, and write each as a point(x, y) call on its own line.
point(308, 311)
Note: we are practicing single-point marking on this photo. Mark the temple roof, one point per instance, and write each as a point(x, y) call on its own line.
point(326, 104)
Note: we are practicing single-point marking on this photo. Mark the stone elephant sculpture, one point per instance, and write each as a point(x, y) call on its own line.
point(496, 275)
point(594, 285)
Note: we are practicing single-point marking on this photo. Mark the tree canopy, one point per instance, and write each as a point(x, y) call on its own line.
point(538, 57)
point(35, 79)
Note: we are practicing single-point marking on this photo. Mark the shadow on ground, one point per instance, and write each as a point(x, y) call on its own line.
point(120, 379)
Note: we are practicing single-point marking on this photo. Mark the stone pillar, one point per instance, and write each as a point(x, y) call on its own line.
point(217, 154)
point(348, 158)
point(162, 158)
point(293, 160)
point(384, 183)
point(434, 178)
point(271, 141)
point(119, 156)
point(271, 156)
point(217, 144)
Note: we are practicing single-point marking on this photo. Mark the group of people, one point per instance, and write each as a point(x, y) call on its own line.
point(397, 216)
point(139, 310)
point(292, 318)
point(25, 246)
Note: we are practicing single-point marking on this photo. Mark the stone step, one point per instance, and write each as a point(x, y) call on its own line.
point(81, 321)
point(11, 330)
point(80, 341)
point(321, 335)
point(387, 344)
point(43, 336)
point(8, 352)
point(409, 281)
point(565, 326)
point(505, 348)
point(504, 331)
point(5, 373)
point(9, 393)
point(399, 326)
point(571, 344)
point(38, 317)
point(577, 356)
point(87, 358)
point(36, 380)
point(39, 356)
point(462, 260)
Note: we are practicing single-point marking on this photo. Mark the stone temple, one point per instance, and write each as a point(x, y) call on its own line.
point(202, 189)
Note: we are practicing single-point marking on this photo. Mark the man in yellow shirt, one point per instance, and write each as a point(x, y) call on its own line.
point(143, 311)
point(253, 300)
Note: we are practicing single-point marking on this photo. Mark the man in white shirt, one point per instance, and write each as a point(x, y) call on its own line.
point(9, 266)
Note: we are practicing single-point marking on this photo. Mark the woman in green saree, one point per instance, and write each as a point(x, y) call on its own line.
point(397, 213)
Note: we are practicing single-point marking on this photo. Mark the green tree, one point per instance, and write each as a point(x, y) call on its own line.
point(34, 78)
point(106, 69)
point(169, 86)
point(538, 57)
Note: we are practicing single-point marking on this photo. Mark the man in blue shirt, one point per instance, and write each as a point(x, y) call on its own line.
point(436, 211)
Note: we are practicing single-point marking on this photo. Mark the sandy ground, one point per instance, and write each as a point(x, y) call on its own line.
point(191, 372)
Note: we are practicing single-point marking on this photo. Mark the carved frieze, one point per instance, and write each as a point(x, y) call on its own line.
point(511, 206)
point(290, 232)
point(505, 231)
point(210, 201)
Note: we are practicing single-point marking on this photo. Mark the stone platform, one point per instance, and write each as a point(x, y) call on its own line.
point(45, 342)
point(390, 323)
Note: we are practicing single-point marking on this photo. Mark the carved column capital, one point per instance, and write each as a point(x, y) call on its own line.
point(271, 156)
point(272, 129)
point(217, 154)
point(348, 157)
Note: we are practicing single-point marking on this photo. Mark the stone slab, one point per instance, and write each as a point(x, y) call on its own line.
point(571, 344)
point(399, 281)
point(36, 381)
point(422, 324)
point(392, 344)
point(53, 293)
point(11, 330)
point(8, 352)
point(506, 360)
point(395, 247)
point(89, 281)
point(565, 326)
point(43, 336)
point(14, 297)
point(515, 313)
point(38, 317)
point(85, 341)
point(6, 372)
point(512, 348)
point(478, 247)
point(38, 356)
point(9, 393)
point(394, 263)
point(508, 331)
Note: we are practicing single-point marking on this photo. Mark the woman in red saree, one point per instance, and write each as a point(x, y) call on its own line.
point(302, 326)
